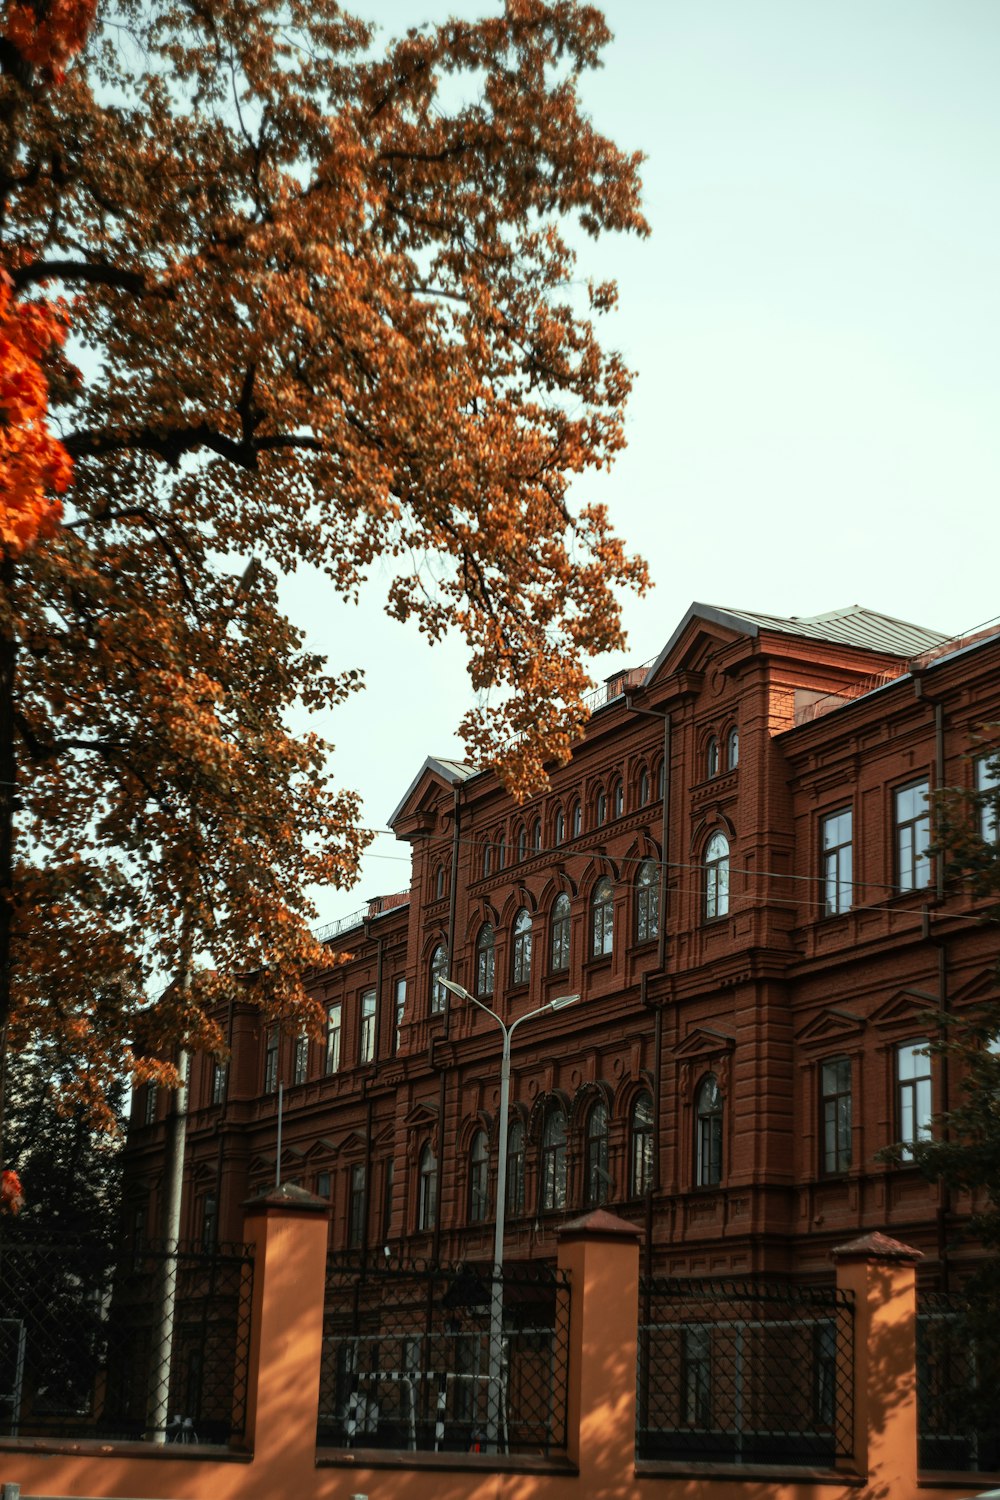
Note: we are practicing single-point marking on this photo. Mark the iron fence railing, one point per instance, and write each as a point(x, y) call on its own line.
point(80, 1346)
point(413, 1361)
point(744, 1372)
point(958, 1370)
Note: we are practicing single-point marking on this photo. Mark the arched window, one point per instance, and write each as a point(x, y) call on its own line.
point(553, 1173)
point(521, 964)
point(485, 960)
point(602, 914)
point(515, 1169)
point(602, 807)
point(717, 877)
point(596, 1174)
point(643, 787)
point(439, 882)
point(536, 836)
point(439, 971)
point(712, 757)
point(661, 780)
point(559, 958)
point(641, 1146)
point(560, 826)
point(732, 749)
point(522, 843)
point(487, 857)
point(428, 1189)
point(577, 819)
point(647, 902)
point(617, 799)
point(708, 1143)
point(478, 1178)
point(501, 853)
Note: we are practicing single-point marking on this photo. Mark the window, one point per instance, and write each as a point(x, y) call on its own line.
point(647, 902)
point(501, 854)
point(988, 787)
point(641, 1146)
point(577, 819)
point(323, 1185)
point(560, 934)
point(709, 1137)
point(696, 1375)
point(536, 836)
point(487, 858)
point(836, 838)
point(485, 960)
point(913, 835)
point(560, 833)
point(478, 1178)
point(149, 1106)
point(333, 1037)
point(366, 1036)
point(913, 1084)
point(596, 1167)
point(387, 1187)
point(427, 1195)
point(618, 799)
point(439, 880)
point(717, 877)
point(643, 787)
point(521, 968)
point(300, 1067)
point(515, 1169)
point(733, 749)
point(219, 1070)
point(209, 1221)
point(271, 1062)
point(602, 808)
point(602, 912)
point(661, 780)
point(439, 970)
point(400, 991)
point(553, 1174)
point(356, 1209)
point(835, 1111)
point(522, 844)
point(712, 757)
point(824, 1367)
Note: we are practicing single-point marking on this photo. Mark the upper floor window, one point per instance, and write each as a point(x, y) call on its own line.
point(643, 787)
point(913, 1093)
point(596, 1177)
point(647, 902)
point(712, 757)
point(717, 876)
point(536, 836)
point(400, 1009)
point(661, 780)
point(708, 1142)
point(219, 1071)
point(478, 1178)
point(836, 838)
point(618, 799)
point(641, 1145)
point(913, 836)
point(733, 749)
point(522, 843)
point(577, 819)
point(427, 1189)
point(988, 789)
point(149, 1106)
point(356, 1209)
point(487, 858)
point(485, 960)
point(271, 1061)
point(439, 882)
point(521, 965)
point(439, 971)
point(560, 934)
point(333, 1015)
point(602, 913)
point(501, 854)
point(366, 1034)
point(209, 1221)
point(602, 807)
point(301, 1063)
point(515, 1168)
point(560, 833)
point(553, 1173)
point(835, 1109)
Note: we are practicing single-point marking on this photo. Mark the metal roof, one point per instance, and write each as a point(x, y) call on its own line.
point(449, 771)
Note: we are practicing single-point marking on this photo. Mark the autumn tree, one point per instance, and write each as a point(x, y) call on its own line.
point(325, 311)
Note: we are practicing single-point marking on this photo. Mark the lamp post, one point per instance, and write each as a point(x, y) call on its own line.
point(496, 1290)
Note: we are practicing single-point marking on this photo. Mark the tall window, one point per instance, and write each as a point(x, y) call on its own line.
point(553, 1174)
point(522, 843)
point(835, 1108)
point(733, 749)
point(838, 872)
point(485, 960)
point(487, 857)
point(712, 757)
point(560, 829)
point(647, 902)
point(356, 1209)
point(333, 1014)
point(478, 1170)
point(661, 779)
point(219, 1082)
point(366, 1037)
point(717, 877)
point(643, 787)
point(696, 1375)
point(521, 967)
point(501, 853)
point(560, 934)
point(271, 1061)
point(209, 1221)
point(602, 913)
point(439, 971)
point(641, 1146)
point(439, 880)
point(400, 1011)
point(577, 819)
point(602, 808)
point(913, 836)
point(988, 787)
point(709, 1137)
point(913, 1085)
point(387, 1187)
point(596, 1167)
point(427, 1190)
point(301, 1064)
point(515, 1169)
point(536, 836)
point(618, 799)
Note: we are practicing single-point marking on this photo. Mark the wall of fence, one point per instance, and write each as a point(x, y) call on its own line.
point(409, 1383)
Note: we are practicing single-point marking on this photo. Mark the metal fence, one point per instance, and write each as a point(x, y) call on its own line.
point(413, 1360)
point(958, 1368)
point(744, 1372)
point(79, 1342)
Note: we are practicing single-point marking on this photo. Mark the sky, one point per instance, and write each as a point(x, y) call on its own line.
point(815, 327)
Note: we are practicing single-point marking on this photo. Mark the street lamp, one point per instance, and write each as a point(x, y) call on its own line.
point(496, 1291)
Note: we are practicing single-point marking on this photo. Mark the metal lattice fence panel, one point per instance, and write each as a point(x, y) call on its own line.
point(80, 1347)
point(958, 1369)
point(442, 1359)
point(744, 1372)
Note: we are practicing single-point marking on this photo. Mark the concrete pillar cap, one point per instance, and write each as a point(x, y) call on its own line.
point(284, 1198)
point(876, 1246)
point(599, 1224)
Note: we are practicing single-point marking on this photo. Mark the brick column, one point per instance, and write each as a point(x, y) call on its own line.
point(881, 1274)
point(601, 1254)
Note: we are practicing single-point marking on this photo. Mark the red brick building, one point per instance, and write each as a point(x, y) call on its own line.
point(731, 874)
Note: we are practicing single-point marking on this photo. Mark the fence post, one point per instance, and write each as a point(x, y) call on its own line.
point(601, 1254)
point(288, 1228)
point(881, 1273)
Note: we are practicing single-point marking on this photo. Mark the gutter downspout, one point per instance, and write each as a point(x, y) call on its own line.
point(443, 1077)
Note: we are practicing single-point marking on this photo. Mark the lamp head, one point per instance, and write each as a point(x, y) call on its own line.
point(456, 989)
point(562, 1000)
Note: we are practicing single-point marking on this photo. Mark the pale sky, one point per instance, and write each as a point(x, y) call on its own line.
point(815, 322)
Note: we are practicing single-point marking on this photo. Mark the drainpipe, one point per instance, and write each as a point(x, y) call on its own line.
point(443, 1077)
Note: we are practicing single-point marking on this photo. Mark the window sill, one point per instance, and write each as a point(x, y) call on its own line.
point(595, 965)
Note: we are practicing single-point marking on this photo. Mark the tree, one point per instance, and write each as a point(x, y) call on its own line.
point(324, 312)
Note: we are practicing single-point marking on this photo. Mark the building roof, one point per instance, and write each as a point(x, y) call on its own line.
point(450, 771)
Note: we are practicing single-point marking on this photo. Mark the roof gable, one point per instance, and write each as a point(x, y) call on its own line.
point(433, 775)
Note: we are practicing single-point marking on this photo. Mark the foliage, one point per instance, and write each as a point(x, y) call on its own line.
point(33, 463)
point(326, 315)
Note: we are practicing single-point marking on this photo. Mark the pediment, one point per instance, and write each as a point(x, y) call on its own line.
point(421, 802)
point(385, 1136)
point(905, 1007)
point(981, 987)
point(354, 1140)
point(422, 1114)
point(702, 632)
point(704, 1041)
point(831, 1027)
